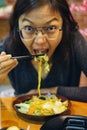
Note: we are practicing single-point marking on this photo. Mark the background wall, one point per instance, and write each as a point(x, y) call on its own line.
point(4, 27)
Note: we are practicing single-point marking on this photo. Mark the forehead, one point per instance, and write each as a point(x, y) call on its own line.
point(40, 15)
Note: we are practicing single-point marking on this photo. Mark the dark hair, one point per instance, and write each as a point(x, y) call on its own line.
point(15, 45)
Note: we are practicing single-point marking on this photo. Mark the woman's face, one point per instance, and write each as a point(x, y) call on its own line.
point(46, 39)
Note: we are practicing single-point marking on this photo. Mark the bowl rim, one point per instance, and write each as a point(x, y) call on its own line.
point(36, 117)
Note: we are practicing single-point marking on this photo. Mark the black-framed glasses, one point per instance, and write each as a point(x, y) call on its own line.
point(28, 32)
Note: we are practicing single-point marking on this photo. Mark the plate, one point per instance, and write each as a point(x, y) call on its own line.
point(36, 117)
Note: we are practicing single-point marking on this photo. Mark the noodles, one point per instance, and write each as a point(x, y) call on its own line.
point(43, 60)
point(39, 76)
point(47, 105)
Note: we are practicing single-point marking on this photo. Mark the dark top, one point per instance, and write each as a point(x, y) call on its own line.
point(24, 77)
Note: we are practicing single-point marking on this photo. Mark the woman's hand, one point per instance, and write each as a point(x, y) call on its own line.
point(6, 65)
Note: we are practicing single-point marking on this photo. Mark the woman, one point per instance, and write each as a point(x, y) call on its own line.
point(47, 27)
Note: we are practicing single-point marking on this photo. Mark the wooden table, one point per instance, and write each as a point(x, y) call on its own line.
point(9, 116)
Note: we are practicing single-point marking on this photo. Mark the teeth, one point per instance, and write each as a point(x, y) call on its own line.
point(41, 51)
point(36, 51)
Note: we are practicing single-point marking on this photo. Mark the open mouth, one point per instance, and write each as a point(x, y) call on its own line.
point(39, 51)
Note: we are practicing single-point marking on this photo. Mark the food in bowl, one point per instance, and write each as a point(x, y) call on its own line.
point(43, 105)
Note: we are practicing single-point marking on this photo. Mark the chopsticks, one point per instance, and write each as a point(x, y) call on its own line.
point(27, 56)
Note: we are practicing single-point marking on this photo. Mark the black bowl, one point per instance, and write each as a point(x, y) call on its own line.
point(42, 118)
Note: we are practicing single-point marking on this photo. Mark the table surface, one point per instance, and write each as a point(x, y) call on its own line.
point(10, 118)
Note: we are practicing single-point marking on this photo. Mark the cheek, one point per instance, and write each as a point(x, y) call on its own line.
point(27, 44)
point(55, 43)
point(59, 38)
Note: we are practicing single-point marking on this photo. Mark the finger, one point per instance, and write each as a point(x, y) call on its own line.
point(8, 63)
point(4, 58)
point(3, 53)
point(12, 67)
point(7, 69)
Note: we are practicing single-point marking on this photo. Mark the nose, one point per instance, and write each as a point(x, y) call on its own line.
point(40, 38)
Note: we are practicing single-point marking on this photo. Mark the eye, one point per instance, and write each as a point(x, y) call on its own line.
point(51, 29)
point(29, 29)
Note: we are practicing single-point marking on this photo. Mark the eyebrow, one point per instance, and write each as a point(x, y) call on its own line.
point(25, 19)
point(28, 20)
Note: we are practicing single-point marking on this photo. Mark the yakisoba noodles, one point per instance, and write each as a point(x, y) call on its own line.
point(42, 106)
point(42, 60)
